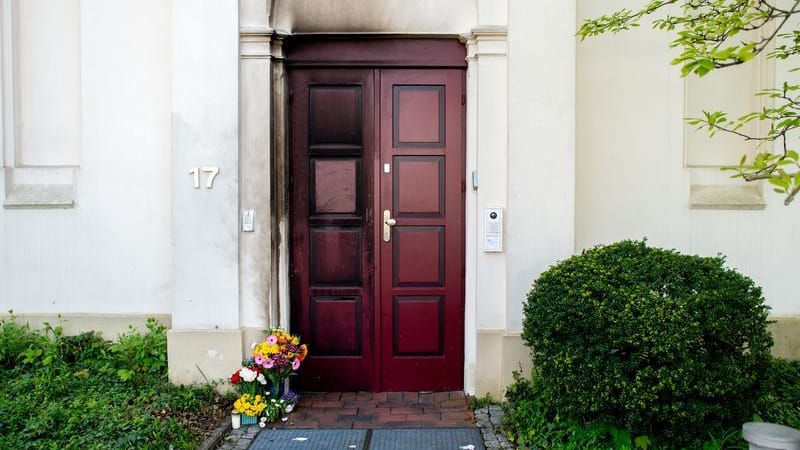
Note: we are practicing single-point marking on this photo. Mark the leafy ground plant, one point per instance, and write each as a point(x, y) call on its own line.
point(481, 402)
point(82, 392)
point(532, 422)
point(781, 403)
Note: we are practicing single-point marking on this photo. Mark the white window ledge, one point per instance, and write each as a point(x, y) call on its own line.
point(40, 188)
point(746, 197)
point(36, 196)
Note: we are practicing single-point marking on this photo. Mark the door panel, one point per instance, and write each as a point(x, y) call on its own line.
point(378, 314)
point(421, 270)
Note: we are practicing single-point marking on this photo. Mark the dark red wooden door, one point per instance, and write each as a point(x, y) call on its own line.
point(421, 283)
point(332, 278)
point(380, 302)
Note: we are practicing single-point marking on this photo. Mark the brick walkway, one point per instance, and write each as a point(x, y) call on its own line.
point(380, 410)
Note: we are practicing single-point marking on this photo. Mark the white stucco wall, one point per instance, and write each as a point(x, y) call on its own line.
point(111, 252)
point(205, 123)
point(541, 152)
point(631, 178)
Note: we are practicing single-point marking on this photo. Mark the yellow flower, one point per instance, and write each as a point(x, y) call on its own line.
point(248, 406)
point(265, 349)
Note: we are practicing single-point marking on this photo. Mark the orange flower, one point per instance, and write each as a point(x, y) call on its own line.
point(303, 352)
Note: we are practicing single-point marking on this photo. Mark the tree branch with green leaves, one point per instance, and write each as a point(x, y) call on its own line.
point(715, 34)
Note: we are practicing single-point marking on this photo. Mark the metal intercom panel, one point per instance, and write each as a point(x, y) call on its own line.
point(493, 230)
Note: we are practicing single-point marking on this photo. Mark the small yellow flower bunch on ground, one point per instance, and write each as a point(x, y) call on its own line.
point(250, 405)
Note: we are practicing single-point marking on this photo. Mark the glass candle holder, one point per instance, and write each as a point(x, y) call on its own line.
point(236, 420)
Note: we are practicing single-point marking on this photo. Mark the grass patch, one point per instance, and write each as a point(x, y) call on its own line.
point(481, 402)
point(83, 392)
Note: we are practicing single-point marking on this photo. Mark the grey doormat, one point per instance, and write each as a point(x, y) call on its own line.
point(428, 439)
point(381, 439)
point(309, 440)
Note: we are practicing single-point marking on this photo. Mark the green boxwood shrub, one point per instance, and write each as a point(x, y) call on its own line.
point(781, 403)
point(656, 342)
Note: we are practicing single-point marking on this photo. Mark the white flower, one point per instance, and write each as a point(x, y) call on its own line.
point(262, 379)
point(247, 374)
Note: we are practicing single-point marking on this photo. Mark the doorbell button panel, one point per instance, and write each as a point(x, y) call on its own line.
point(248, 220)
point(493, 230)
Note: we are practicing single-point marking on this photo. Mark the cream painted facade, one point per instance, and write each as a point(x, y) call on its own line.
point(579, 144)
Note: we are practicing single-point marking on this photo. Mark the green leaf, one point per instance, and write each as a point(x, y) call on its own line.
point(124, 374)
point(642, 442)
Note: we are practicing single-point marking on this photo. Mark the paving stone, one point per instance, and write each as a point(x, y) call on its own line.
point(327, 404)
point(390, 404)
point(333, 396)
point(428, 418)
point(379, 396)
point(411, 397)
point(441, 397)
point(454, 403)
point(358, 404)
point(356, 417)
point(459, 415)
point(374, 410)
point(403, 410)
point(404, 424)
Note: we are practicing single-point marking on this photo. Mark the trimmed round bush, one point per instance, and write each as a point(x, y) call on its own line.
point(664, 344)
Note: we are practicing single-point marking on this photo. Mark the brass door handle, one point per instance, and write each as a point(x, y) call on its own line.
point(388, 223)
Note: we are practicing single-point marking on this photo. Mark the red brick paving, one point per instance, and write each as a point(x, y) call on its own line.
point(380, 410)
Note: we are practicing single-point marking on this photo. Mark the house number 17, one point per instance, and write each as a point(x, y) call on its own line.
point(211, 171)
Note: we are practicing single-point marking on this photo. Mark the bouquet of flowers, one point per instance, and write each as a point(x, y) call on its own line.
point(260, 378)
point(274, 410)
point(250, 405)
point(290, 399)
point(249, 379)
point(279, 355)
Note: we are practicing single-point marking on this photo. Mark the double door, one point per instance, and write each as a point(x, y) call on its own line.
point(377, 227)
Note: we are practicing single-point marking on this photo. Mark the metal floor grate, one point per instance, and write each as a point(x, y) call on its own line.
point(309, 440)
point(428, 439)
point(380, 439)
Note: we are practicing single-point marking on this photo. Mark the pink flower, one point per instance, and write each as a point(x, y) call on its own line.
point(259, 359)
point(268, 363)
point(272, 340)
point(295, 364)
